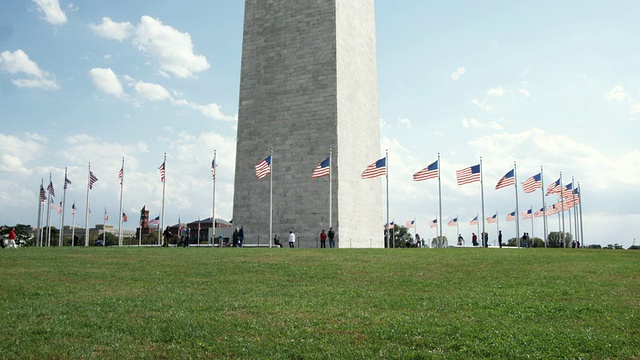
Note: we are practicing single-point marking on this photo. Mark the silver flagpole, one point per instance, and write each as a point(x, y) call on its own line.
point(440, 197)
point(457, 222)
point(86, 218)
point(575, 211)
point(49, 214)
point(121, 197)
point(544, 209)
point(581, 229)
point(164, 186)
point(73, 224)
point(564, 243)
point(64, 203)
point(386, 164)
point(482, 197)
point(271, 198)
point(532, 233)
point(331, 189)
point(515, 186)
point(38, 235)
point(497, 227)
point(213, 205)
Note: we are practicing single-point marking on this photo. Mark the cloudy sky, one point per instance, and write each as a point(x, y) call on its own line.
point(539, 83)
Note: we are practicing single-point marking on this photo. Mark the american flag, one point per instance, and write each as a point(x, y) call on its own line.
point(553, 209)
point(376, 169)
point(474, 221)
point(121, 175)
point(106, 215)
point(162, 168)
point(453, 222)
point(263, 168)
point(43, 194)
point(492, 219)
point(321, 170)
point(430, 172)
point(527, 214)
point(409, 224)
point(433, 223)
point(554, 188)
point(539, 213)
point(124, 217)
point(574, 198)
point(89, 211)
point(73, 208)
point(391, 225)
point(59, 208)
point(66, 182)
point(52, 205)
point(51, 190)
point(468, 175)
point(507, 180)
point(92, 179)
point(568, 189)
point(213, 168)
point(532, 184)
point(155, 221)
point(511, 216)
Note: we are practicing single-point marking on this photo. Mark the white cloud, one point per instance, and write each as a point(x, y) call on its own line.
point(18, 62)
point(482, 104)
point(113, 30)
point(406, 122)
point(51, 11)
point(458, 73)
point(477, 124)
point(16, 152)
point(617, 93)
point(107, 81)
point(171, 48)
point(210, 110)
point(499, 92)
point(151, 92)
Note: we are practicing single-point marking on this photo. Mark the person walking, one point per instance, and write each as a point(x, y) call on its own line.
point(292, 239)
point(235, 237)
point(241, 236)
point(460, 240)
point(323, 239)
point(500, 238)
point(167, 237)
point(331, 235)
point(474, 239)
point(12, 238)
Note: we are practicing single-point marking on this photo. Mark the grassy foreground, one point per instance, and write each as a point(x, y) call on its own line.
point(319, 303)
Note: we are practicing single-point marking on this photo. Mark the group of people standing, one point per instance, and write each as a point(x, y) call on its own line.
point(323, 238)
point(182, 240)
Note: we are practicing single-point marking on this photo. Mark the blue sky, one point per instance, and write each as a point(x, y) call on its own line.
point(540, 83)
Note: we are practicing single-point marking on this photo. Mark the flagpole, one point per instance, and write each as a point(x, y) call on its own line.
point(73, 225)
point(104, 227)
point(386, 162)
point(49, 212)
point(86, 218)
point(457, 223)
point(482, 196)
point(331, 190)
point(440, 195)
point(213, 205)
point(271, 198)
point(515, 186)
point(38, 235)
point(477, 225)
point(564, 243)
point(498, 228)
point(532, 232)
point(575, 210)
point(581, 228)
point(164, 186)
point(62, 206)
point(121, 196)
point(544, 209)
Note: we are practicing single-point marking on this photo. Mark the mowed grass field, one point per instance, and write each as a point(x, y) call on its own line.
point(319, 303)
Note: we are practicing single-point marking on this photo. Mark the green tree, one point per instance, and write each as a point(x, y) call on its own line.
point(400, 236)
point(555, 239)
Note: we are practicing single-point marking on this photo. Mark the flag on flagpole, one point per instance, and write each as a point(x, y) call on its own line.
point(511, 216)
point(568, 188)
point(553, 209)
point(532, 184)
point(321, 170)
point(43, 194)
point(59, 208)
point(474, 221)
point(492, 219)
point(51, 190)
point(121, 174)
point(66, 182)
point(526, 214)
point(409, 224)
point(468, 175)
point(155, 221)
point(162, 171)
point(391, 225)
point(263, 168)
point(554, 188)
point(92, 179)
point(124, 217)
point(507, 180)
point(52, 205)
point(73, 208)
point(539, 213)
point(213, 168)
point(433, 223)
point(376, 169)
point(430, 172)
point(453, 222)
point(106, 215)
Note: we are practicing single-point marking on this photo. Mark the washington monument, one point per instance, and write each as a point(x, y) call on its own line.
point(309, 86)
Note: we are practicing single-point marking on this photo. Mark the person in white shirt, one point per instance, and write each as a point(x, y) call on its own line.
point(292, 239)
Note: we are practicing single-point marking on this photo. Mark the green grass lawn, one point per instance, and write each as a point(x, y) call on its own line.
point(319, 303)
